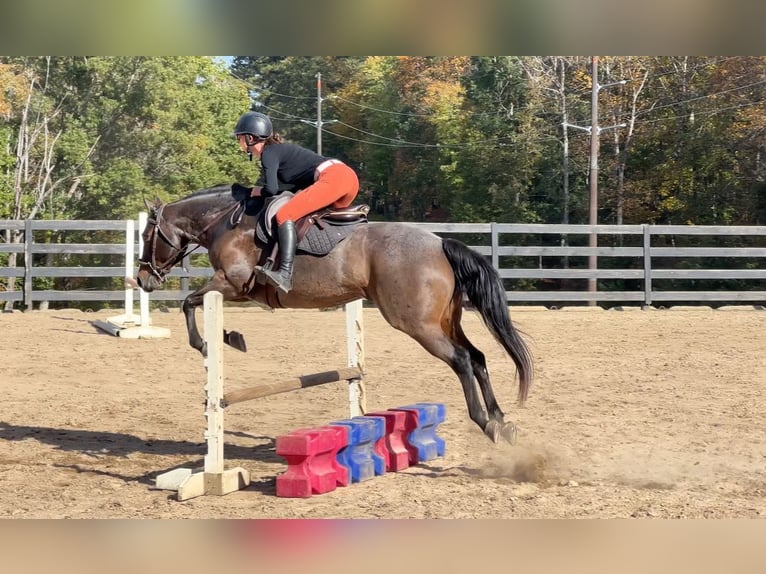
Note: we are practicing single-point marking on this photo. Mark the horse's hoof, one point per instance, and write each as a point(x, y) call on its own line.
point(509, 432)
point(203, 350)
point(493, 429)
point(236, 340)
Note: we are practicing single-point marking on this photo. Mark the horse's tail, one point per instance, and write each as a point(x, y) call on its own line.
point(483, 285)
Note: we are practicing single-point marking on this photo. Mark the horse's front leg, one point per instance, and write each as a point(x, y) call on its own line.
point(194, 300)
point(190, 305)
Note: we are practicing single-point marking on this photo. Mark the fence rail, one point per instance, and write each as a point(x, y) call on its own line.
point(538, 263)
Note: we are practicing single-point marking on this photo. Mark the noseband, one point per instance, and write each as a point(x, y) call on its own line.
point(161, 271)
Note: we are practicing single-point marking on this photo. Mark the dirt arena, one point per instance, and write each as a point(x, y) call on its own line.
point(644, 414)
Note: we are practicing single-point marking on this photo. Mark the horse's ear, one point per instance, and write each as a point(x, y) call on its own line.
point(148, 205)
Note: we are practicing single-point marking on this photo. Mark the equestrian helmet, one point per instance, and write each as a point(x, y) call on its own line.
point(254, 123)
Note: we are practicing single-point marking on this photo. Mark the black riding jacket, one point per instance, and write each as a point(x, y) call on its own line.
point(287, 165)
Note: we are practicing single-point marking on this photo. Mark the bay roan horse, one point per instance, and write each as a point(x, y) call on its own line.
point(415, 278)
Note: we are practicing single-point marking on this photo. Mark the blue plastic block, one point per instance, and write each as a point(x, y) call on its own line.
point(359, 455)
point(424, 437)
point(378, 431)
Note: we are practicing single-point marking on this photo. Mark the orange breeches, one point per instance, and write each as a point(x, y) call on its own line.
point(337, 186)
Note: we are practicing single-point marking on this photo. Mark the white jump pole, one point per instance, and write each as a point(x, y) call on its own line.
point(355, 345)
point(214, 479)
point(143, 296)
point(129, 325)
point(213, 317)
point(130, 234)
point(128, 318)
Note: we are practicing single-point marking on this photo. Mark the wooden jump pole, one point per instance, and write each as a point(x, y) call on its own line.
point(353, 374)
point(217, 480)
point(302, 382)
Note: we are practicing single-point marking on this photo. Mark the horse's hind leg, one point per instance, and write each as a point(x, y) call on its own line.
point(434, 330)
point(479, 365)
point(430, 313)
point(440, 345)
point(496, 424)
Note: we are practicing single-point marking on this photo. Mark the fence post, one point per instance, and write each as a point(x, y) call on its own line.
point(495, 245)
point(28, 240)
point(647, 235)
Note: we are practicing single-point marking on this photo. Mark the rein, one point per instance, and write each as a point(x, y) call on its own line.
point(182, 251)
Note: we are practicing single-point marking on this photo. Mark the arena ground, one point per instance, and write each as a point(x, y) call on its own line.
point(634, 413)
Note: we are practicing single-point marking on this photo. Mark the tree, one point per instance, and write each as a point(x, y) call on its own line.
point(93, 137)
point(622, 105)
point(506, 133)
point(166, 129)
point(556, 86)
point(35, 133)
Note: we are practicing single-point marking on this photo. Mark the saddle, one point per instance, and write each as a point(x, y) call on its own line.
point(318, 233)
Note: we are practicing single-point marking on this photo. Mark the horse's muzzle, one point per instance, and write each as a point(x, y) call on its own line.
point(147, 281)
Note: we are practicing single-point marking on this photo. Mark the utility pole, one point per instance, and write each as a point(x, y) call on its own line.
point(319, 123)
point(593, 174)
point(595, 131)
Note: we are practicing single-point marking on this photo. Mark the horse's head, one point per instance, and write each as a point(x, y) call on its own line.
point(164, 246)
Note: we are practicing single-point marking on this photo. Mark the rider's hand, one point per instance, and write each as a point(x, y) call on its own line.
point(240, 192)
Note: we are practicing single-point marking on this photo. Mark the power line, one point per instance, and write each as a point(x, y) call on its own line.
point(488, 144)
point(702, 113)
point(703, 97)
point(363, 106)
point(250, 85)
point(397, 142)
point(671, 72)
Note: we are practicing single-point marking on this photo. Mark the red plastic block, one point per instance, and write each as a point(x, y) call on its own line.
point(396, 449)
point(311, 465)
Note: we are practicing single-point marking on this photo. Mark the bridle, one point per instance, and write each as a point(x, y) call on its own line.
point(181, 251)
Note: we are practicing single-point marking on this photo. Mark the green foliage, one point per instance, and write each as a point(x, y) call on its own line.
point(471, 139)
point(129, 128)
point(458, 138)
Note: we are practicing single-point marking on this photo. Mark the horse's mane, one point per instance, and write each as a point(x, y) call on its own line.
point(220, 188)
point(221, 191)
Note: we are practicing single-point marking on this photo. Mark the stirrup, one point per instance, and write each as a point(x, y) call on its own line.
point(278, 280)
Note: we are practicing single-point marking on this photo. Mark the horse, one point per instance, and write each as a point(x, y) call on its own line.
point(415, 278)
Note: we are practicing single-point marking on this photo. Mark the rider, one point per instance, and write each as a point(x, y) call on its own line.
point(319, 182)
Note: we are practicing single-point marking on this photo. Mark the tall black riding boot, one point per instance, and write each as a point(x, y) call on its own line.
point(283, 278)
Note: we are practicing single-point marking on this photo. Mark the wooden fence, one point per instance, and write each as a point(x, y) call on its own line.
point(539, 263)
